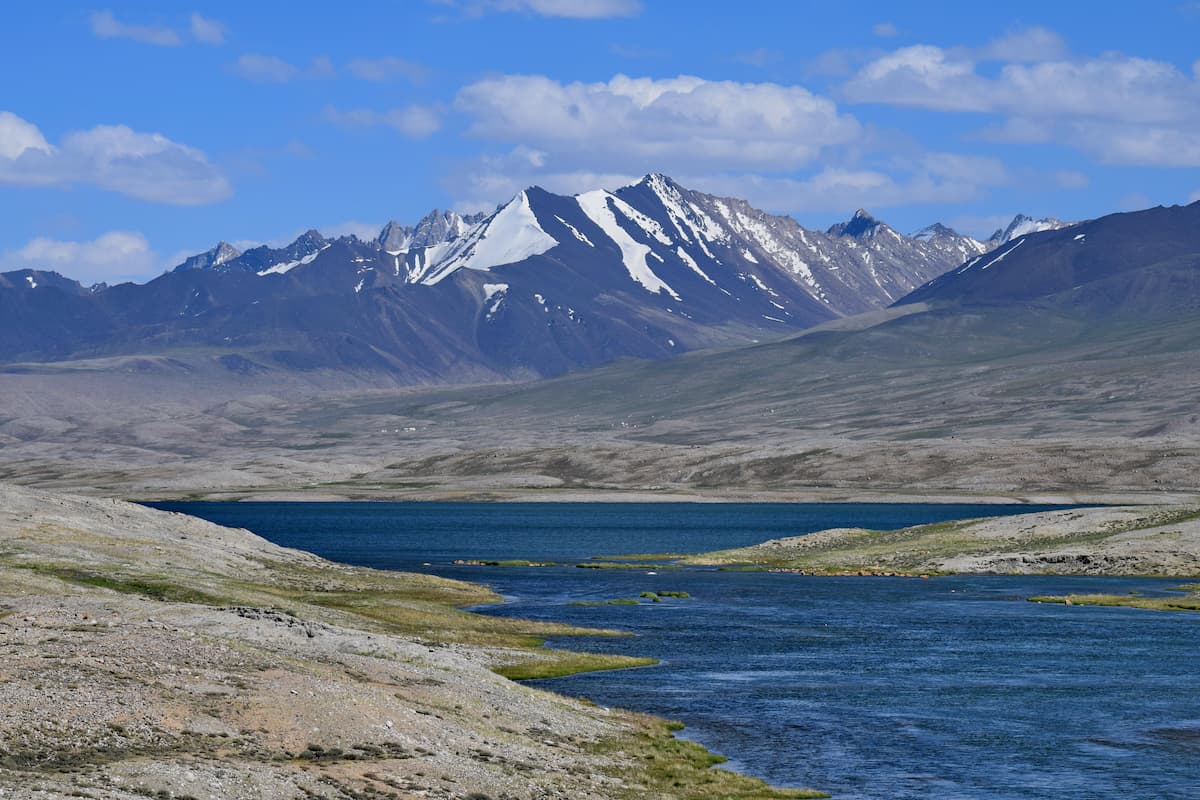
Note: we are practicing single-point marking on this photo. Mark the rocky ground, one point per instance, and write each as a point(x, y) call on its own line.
point(1098, 429)
point(145, 654)
point(1134, 540)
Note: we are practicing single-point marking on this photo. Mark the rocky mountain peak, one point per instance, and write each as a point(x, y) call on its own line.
point(223, 252)
point(858, 226)
point(1021, 225)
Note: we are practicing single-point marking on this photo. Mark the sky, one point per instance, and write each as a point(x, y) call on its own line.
point(133, 134)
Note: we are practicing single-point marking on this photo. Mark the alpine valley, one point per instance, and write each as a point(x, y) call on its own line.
point(544, 285)
point(541, 351)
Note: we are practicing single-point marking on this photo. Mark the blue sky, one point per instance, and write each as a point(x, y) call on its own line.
point(132, 134)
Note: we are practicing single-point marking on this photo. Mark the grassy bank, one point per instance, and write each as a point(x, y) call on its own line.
point(1162, 541)
point(1182, 602)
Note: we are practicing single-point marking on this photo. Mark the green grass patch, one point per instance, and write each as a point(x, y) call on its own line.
point(641, 557)
point(152, 587)
point(918, 550)
point(1180, 603)
point(511, 562)
point(624, 565)
point(564, 662)
point(666, 767)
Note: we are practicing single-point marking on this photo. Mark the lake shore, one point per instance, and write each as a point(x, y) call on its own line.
point(153, 653)
point(1124, 540)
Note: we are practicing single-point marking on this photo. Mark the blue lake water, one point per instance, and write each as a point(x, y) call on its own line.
point(953, 687)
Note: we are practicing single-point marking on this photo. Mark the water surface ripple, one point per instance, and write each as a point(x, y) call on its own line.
point(954, 687)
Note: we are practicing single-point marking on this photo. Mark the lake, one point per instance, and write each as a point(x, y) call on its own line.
point(954, 687)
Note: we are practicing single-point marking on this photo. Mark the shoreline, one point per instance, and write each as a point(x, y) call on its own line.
point(154, 653)
point(815, 496)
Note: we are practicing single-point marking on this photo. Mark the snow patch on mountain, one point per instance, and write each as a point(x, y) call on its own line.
point(996, 260)
point(287, 266)
point(1023, 225)
point(598, 206)
point(575, 231)
point(510, 235)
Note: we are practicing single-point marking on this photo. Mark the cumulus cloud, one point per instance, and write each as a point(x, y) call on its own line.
point(387, 69)
point(18, 136)
point(574, 9)
point(669, 123)
point(147, 166)
point(208, 31)
point(106, 26)
point(112, 257)
point(932, 178)
point(1120, 109)
point(414, 121)
point(481, 184)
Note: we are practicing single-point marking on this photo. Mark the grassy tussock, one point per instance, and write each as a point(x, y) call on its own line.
point(667, 767)
point(1189, 602)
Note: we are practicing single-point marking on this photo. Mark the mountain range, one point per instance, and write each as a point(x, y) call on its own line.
point(544, 285)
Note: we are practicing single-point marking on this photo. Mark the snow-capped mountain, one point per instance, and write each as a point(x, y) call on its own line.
point(223, 253)
point(545, 284)
point(436, 227)
point(953, 244)
point(1022, 225)
point(262, 260)
point(1122, 267)
point(662, 238)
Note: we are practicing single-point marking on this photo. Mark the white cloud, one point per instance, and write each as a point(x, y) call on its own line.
point(1112, 86)
point(575, 9)
point(265, 69)
point(1118, 108)
point(840, 190)
point(661, 123)
point(113, 257)
point(106, 26)
point(147, 166)
point(18, 135)
point(922, 76)
point(387, 69)
point(1030, 44)
point(414, 121)
point(492, 179)
point(884, 29)
point(261, 68)
point(208, 31)
point(930, 178)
